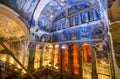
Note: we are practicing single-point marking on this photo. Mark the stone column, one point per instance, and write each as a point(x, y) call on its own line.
point(80, 63)
point(31, 56)
point(94, 70)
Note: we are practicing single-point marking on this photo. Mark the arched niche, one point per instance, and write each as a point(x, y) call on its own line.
point(11, 24)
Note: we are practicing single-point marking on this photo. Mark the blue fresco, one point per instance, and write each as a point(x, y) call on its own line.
point(98, 31)
point(76, 8)
point(60, 16)
point(75, 1)
point(80, 33)
point(93, 15)
point(84, 17)
point(55, 15)
point(14, 0)
point(27, 6)
point(85, 33)
point(109, 3)
point(77, 19)
point(78, 37)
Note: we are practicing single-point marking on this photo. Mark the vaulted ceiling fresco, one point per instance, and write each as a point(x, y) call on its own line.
point(41, 15)
point(43, 12)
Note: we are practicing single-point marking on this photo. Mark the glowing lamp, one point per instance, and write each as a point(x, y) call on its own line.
point(63, 47)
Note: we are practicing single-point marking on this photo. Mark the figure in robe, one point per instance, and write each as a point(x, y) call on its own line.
point(75, 61)
point(87, 52)
point(65, 58)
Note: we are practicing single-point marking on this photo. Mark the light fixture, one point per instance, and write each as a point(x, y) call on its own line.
point(62, 47)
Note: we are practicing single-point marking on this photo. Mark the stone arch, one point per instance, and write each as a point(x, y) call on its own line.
point(12, 22)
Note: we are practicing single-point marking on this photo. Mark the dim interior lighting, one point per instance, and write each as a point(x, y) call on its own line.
point(62, 47)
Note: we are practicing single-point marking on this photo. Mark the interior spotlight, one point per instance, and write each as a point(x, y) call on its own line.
point(62, 47)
